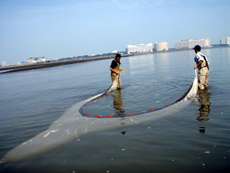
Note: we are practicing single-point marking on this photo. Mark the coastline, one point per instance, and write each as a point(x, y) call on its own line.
point(25, 67)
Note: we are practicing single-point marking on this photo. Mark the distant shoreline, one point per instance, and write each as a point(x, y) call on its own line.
point(24, 67)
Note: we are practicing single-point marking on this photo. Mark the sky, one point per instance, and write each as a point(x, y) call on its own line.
point(66, 28)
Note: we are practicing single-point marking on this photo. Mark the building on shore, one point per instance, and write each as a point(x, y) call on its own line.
point(188, 44)
point(36, 59)
point(140, 48)
point(225, 40)
point(115, 51)
point(4, 63)
point(163, 46)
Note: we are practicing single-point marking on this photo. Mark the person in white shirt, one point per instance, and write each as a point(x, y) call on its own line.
point(203, 65)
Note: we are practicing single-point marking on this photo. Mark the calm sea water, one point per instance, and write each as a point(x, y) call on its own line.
point(196, 139)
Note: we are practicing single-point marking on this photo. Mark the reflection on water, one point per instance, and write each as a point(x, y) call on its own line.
point(140, 64)
point(117, 103)
point(163, 61)
point(207, 52)
point(226, 53)
point(203, 107)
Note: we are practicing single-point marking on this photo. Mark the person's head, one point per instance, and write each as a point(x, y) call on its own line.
point(197, 48)
point(118, 57)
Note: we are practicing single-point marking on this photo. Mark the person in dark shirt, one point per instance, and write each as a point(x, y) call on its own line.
point(115, 69)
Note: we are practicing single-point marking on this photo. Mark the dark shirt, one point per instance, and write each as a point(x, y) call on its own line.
point(114, 64)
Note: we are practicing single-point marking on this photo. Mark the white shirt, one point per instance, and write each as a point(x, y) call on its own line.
point(200, 57)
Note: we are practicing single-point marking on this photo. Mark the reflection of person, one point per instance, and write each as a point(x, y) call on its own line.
point(204, 106)
point(203, 66)
point(115, 69)
point(117, 103)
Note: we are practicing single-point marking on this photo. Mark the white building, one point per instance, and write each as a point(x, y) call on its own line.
point(181, 44)
point(140, 48)
point(36, 59)
point(222, 41)
point(225, 40)
point(161, 46)
point(188, 44)
point(131, 49)
point(4, 63)
point(115, 51)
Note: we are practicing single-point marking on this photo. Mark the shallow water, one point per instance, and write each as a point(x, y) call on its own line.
point(196, 139)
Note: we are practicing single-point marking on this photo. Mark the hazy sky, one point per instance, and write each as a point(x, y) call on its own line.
point(67, 28)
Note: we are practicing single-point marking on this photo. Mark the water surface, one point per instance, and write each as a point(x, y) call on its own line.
point(196, 139)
